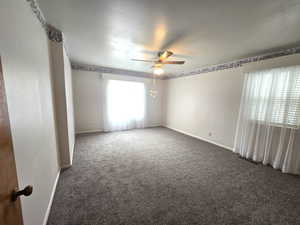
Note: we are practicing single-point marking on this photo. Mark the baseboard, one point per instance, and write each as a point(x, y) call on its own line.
point(88, 131)
point(65, 166)
point(72, 155)
point(201, 138)
point(153, 126)
point(97, 131)
point(51, 199)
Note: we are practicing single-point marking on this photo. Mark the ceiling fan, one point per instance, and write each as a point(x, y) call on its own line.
point(160, 61)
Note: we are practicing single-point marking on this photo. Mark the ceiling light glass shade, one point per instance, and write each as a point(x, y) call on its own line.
point(158, 71)
point(153, 93)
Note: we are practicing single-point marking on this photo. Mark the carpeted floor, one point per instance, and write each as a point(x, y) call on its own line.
point(158, 176)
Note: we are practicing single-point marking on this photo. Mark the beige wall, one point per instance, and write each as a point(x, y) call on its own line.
point(25, 59)
point(88, 100)
point(207, 105)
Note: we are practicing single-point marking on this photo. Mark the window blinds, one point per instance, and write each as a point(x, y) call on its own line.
point(275, 96)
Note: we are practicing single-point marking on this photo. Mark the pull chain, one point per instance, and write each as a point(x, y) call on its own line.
point(153, 91)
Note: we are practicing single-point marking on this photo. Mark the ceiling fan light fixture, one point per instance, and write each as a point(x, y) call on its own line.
point(158, 71)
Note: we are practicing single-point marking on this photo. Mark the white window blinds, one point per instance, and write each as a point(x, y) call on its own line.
point(274, 96)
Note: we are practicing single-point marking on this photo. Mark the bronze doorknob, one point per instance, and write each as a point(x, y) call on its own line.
point(26, 192)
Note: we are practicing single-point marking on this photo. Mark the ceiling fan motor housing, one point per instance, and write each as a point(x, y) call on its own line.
point(166, 53)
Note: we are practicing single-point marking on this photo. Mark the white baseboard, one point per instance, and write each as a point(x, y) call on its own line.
point(88, 131)
point(97, 131)
point(51, 199)
point(201, 138)
point(72, 155)
point(65, 166)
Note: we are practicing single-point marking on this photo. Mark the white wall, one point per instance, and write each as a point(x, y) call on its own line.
point(25, 60)
point(69, 104)
point(204, 104)
point(63, 99)
point(88, 100)
point(209, 102)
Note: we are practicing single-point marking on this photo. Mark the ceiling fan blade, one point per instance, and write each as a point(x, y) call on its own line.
point(157, 65)
point(173, 62)
point(144, 60)
point(154, 53)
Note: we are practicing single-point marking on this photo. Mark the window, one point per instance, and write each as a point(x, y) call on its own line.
point(275, 96)
point(125, 102)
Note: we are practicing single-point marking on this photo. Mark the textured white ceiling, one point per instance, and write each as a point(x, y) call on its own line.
point(203, 32)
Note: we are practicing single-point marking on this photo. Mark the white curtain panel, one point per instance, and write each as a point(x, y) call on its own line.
point(268, 124)
point(124, 105)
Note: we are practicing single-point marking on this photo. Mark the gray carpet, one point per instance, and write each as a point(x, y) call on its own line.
point(158, 176)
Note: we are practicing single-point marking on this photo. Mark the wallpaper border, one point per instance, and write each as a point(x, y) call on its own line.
point(103, 69)
point(237, 63)
point(53, 33)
